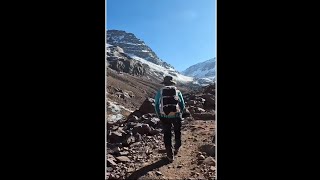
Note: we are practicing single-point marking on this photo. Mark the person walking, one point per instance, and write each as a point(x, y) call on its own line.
point(169, 107)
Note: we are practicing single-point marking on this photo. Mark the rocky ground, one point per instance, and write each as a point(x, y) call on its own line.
point(135, 148)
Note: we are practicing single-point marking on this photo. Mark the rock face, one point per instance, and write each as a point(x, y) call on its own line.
point(121, 62)
point(130, 44)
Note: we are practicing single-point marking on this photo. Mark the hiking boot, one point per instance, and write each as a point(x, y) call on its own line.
point(176, 151)
point(169, 154)
point(170, 158)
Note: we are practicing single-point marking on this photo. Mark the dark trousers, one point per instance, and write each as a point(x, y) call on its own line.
point(167, 123)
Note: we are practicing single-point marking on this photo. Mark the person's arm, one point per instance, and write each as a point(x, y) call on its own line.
point(181, 101)
point(157, 103)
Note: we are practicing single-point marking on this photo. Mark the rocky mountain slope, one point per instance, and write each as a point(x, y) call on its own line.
point(121, 62)
point(135, 148)
point(123, 47)
point(132, 45)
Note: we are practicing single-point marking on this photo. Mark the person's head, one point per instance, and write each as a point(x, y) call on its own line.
point(168, 81)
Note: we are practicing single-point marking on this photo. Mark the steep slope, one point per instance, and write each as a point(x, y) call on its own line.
point(121, 62)
point(124, 50)
point(132, 45)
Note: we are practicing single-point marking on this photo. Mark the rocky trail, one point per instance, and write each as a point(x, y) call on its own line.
point(195, 160)
point(135, 148)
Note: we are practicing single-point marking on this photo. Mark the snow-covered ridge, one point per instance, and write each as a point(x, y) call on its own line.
point(204, 69)
point(133, 45)
point(160, 71)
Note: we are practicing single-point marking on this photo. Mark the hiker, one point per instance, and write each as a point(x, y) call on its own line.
point(169, 107)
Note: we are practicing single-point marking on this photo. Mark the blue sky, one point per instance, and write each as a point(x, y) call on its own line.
point(180, 32)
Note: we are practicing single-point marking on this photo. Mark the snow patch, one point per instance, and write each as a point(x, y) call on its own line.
point(156, 69)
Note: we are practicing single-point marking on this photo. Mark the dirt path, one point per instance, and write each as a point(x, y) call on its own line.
point(196, 141)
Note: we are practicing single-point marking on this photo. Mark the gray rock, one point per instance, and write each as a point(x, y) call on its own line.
point(111, 162)
point(124, 153)
point(154, 132)
point(199, 110)
point(141, 129)
point(210, 161)
point(136, 113)
point(115, 137)
point(192, 102)
point(123, 159)
point(147, 106)
point(201, 157)
point(138, 137)
point(212, 168)
point(153, 122)
point(128, 141)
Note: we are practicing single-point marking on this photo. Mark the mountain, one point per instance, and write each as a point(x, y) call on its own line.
point(121, 62)
point(204, 69)
point(132, 45)
point(125, 50)
point(203, 72)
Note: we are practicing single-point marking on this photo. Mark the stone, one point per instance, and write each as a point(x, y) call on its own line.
point(129, 140)
point(130, 170)
point(154, 132)
point(199, 110)
point(212, 168)
point(115, 150)
point(141, 129)
point(209, 161)
point(115, 137)
point(192, 102)
point(138, 137)
point(124, 153)
point(153, 122)
point(201, 157)
point(147, 106)
point(109, 169)
point(123, 158)
point(136, 113)
point(158, 173)
point(111, 162)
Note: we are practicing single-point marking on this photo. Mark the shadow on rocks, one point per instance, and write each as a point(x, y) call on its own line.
point(209, 149)
point(143, 171)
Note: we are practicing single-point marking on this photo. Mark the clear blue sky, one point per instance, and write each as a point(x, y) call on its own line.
point(180, 32)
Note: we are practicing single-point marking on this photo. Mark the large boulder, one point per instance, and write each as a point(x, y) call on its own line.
point(209, 102)
point(186, 113)
point(141, 129)
point(136, 115)
point(115, 137)
point(147, 106)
